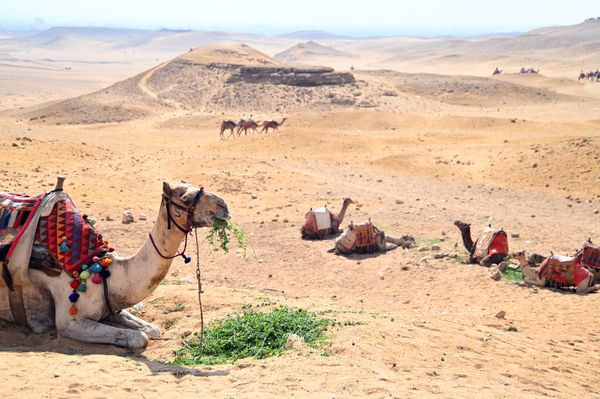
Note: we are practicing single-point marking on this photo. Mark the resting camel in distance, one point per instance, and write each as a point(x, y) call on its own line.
point(365, 238)
point(228, 124)
point(47, 299)
point(271, 124)
point(497, 71)
point(490, 248)
point(572, 273)
point(321, 222)
point(244, 125)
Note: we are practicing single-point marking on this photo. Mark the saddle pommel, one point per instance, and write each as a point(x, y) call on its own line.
point(60, 180)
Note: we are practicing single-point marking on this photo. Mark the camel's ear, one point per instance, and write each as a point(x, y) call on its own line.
point(167, 189)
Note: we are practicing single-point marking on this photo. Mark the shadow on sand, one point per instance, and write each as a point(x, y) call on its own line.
point(13, 337)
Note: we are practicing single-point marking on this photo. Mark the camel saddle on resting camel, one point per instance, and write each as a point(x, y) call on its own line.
point(366, 238)
point(491, 242)
point(49, 230)
point(563, 271)
point(590, 256)
point(318, 221)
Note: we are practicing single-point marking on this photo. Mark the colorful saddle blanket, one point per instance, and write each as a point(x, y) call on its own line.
point(68, 235)
point(491, 242)
point(590, 256)
point(366, 238)
point(563, 271)
point(15, 212)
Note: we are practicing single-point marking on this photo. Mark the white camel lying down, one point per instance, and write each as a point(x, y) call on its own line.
point(46, 299)
point(583, 279)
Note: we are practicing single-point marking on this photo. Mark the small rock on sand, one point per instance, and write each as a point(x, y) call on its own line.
point(515, 235)
point(127, 217)
point(501, 314)
point(435, 248)
point(142, 217)
point(294, 342)
point(495, 273)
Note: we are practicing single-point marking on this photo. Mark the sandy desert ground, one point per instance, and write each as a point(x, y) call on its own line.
point(423, 136)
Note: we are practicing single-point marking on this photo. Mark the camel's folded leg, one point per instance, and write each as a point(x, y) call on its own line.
point(126, 319)
point(87, 330)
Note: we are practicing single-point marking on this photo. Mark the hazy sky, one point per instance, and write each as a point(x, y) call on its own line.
point(265, 16)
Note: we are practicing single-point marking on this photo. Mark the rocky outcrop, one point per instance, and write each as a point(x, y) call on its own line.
point(292, 76)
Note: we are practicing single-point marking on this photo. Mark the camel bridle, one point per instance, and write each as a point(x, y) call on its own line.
point(189, 212)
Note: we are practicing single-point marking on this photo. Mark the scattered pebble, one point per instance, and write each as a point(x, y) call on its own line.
point(127, 217)
point(501, 314)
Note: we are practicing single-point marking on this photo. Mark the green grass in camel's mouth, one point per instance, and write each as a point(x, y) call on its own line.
point(221, 233)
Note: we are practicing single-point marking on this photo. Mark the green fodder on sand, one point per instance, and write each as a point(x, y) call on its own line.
point(252, 334)
point(512, 274)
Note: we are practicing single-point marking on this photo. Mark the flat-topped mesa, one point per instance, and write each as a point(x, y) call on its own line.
point(292, 76)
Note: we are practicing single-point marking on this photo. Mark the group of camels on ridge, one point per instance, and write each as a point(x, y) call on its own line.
point(589, 76)
point(249, 124)
point(523, 70)
point(33, 293)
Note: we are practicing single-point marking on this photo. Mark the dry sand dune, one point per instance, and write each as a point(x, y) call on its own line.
point(310, 52)
point(415, 151)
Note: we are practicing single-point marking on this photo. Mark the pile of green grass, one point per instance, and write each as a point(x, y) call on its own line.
point(252, 334)
point(512, 275)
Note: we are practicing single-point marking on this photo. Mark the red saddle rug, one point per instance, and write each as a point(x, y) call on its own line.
point(491, 242)
point(590, 256)
point(69, 236)
point(563, 271)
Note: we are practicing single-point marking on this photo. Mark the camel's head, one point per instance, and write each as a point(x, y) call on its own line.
point(203, 206)
point(520, 256)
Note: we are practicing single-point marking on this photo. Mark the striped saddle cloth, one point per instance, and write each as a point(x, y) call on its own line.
point(68, 235)
point(15, 213)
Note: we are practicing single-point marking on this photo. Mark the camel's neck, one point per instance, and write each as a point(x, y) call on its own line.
point(282, 122)
point(342, 213)
point(133, 279)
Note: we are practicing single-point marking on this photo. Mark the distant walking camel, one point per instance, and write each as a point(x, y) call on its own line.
point(228, 124)
point(271, 124)
point(245, 125)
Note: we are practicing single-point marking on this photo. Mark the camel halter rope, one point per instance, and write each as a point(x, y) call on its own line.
point(189, 212)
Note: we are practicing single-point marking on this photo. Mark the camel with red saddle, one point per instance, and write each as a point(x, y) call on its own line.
point(558, 272)
point(95, 285)
point(490, 248)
